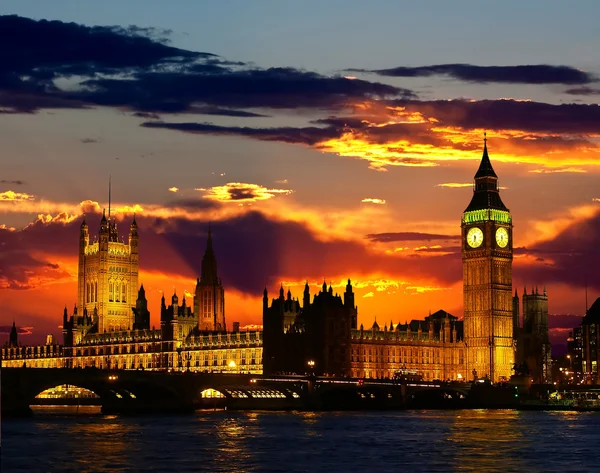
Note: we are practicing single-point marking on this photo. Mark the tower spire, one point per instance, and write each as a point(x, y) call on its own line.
point(109, 189)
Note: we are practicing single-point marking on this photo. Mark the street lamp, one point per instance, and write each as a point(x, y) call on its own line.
point(311, 365)
point(232, 364)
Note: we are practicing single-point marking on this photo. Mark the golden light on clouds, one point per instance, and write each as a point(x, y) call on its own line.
point(373, 201)
point(396, 136)
point(11, 196)
point(242, 192)
point(173, 189)
point(561, 170)
point(455, 184)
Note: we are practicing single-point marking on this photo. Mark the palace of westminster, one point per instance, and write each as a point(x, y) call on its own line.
point(109, 326)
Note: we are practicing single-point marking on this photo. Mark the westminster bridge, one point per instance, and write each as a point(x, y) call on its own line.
point(141, 391)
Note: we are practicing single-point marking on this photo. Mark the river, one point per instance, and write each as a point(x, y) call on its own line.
point(410, 441)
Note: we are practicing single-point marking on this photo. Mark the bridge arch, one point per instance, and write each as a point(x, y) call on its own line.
point(66, 393)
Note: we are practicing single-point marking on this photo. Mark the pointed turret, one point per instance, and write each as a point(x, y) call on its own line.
point(485, 166)
point(485, 192)
point(14, 337)
point(209, 263)
point(324, 286)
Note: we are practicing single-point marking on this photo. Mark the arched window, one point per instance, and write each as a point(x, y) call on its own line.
point(117, 291)
point(87, 292)
point(96, 291)
point(123, 293)
point(111, 291)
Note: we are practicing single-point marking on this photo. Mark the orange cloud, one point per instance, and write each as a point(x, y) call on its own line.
point(242, 192)
point(173, 189)
point(562, 170)
point(455, 184)
point(373, 201)
point(11, 196)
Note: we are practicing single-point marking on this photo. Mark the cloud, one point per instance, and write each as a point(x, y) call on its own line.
point(242, 192)
point(583, 91)
point(429, 133)
point(88, 140)
point(409, 236)
point(368, 294)
point(560, 170)
point(36, 53)
point(20, 330)
point(15, 196)
point(568, 256)
point(523, 74)
point(455, 184)
point(14, 182)
point(253, 251)
point(373, 201)
point(173, 189)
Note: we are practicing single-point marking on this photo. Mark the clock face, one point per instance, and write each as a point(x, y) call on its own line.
point(502, 237)
point(474, 237)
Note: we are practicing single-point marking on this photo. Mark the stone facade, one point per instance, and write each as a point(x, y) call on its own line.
point(487, 278)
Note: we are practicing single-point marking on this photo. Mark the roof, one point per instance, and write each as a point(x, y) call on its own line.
point(485, 167)
point(486, 195)
point(592, 316)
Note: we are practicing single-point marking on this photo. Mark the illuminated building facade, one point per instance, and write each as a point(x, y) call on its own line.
point(322, 338)
point(110, 327)
point(107, 279)
point(487, 253)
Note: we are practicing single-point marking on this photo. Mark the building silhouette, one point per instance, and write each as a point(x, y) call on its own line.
point(534, 351)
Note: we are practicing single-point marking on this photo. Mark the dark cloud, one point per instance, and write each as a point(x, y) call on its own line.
point(44, 50)
point(89, 140)
point(508, 114)
point(410, 236)
point(583, 91)
point(307, 135)
point(275, 88)
point(525, 74)
point(147, 115)
point(570, 257)
point(133, 68)
point(20, 330)
point(16, 182)
point(573, 121)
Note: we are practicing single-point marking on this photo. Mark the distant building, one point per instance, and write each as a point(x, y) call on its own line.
point(321, 337)
point(534, 351)
point(590, 328)
point(575, 351)
point(110, 327)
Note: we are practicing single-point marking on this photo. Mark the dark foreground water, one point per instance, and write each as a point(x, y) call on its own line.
point(306, 442)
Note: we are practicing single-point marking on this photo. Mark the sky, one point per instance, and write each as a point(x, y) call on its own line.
point(322, 140)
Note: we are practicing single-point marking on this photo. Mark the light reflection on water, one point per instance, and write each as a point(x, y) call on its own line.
point(475, 440)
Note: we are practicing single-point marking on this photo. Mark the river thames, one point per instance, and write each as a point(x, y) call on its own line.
point(413, 441)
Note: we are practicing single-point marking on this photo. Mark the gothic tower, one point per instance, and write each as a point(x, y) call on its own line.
point(209, 298)
point(487, 253)
point(108, 275)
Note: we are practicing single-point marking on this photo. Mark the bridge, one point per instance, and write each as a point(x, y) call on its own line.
point(140, 391)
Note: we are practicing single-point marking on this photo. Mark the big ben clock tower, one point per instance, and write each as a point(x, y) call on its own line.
point(487, 278)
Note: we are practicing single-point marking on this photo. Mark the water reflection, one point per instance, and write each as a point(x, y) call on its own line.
point(425, 441)
point(484, 440)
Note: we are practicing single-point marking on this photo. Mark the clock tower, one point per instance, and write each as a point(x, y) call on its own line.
point(487, 253)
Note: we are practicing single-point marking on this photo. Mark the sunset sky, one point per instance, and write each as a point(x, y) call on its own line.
point(327, 140)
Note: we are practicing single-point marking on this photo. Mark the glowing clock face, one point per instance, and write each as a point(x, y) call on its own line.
point(474, 237)
point(502, 237)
